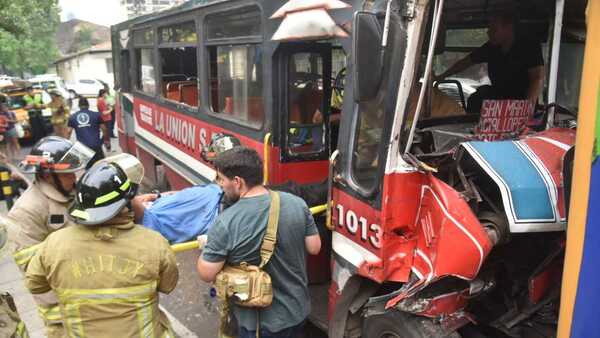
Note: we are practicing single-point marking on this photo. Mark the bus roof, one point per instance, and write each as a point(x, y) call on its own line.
point(186, 6)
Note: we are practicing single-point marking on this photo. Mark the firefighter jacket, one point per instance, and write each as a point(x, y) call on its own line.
point(107, 278)
point(41, 210)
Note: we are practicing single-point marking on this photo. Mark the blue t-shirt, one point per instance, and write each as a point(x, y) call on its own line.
point(87, 127)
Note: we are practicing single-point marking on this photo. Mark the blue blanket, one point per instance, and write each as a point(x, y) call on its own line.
point(184, 215)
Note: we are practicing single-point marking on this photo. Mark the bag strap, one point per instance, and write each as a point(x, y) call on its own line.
point(268, 244)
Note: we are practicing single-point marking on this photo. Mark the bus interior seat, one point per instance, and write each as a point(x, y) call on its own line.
point(256, 110)
point(189, 94)
point(174, 89)
point(168, 78)
point(255, 107)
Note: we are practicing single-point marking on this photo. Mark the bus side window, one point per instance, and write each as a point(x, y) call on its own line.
point(236, 82)
point(178, 60)
point(146, 81)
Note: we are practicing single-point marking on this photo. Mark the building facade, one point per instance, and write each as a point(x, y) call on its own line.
point(92, 63)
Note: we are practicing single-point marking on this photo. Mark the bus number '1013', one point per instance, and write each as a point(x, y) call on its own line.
point(355, 224)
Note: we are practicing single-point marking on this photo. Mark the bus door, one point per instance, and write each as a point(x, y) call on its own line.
point(305, 96)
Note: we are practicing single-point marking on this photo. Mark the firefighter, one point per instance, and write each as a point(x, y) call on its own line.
point(60, 114)
point(42, 209)
point(107, 270)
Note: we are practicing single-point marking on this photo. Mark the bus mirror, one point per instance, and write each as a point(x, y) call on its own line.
point(367, 56)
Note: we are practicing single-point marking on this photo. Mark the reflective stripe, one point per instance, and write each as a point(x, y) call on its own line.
point(125, 185)
point(21, 331)
point(134, 292)
point(81, 214)
point(106, 198)
point(143, 297)
point(50, 314)
point(23, 256)
point(145, 316)
point(73, 321)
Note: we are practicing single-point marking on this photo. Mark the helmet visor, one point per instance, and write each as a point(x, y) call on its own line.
point(75, 159)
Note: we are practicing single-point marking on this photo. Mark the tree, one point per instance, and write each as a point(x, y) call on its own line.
point(84, 38)
point(27, 35)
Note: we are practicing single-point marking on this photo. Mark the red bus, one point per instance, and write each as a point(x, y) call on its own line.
point(211, 67)
point(432, 229)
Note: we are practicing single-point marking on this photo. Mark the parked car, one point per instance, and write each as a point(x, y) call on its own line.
point(86, 87)
point(6, 80)
point(50, 82)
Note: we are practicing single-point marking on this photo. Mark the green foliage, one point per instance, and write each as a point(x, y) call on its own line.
point(27, 35)
point(83, 39)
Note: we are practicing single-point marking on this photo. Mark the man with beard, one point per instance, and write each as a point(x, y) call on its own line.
point(237, 236)
point(515, 64)
point(42, 209)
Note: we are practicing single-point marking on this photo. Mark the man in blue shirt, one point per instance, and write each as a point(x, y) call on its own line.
point(87, 125)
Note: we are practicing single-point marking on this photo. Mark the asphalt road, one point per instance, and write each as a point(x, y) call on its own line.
point(190, 303)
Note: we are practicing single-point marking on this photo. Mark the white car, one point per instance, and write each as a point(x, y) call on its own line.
point(50, 82)
point(86, 87)
point(6, 80)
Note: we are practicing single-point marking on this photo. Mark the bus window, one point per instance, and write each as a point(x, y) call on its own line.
point(338, 76)
point(460, 43)
point(306, 130)
point(570, 66)
point(143, 37)
point(178, 60)
point(146, 81)
point(370, 129)
point(122, 71)
point(235, 70)
point(236, 83)
point(242, 23)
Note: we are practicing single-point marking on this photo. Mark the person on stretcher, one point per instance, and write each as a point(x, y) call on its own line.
point(186, 214)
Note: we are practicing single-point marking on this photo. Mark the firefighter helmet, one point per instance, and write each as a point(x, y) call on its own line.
point(106, 188)
point(55, 154)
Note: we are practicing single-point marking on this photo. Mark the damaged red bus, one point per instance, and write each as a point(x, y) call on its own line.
point(437, 222)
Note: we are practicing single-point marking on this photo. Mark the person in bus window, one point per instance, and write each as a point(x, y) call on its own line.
point(515, 64)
